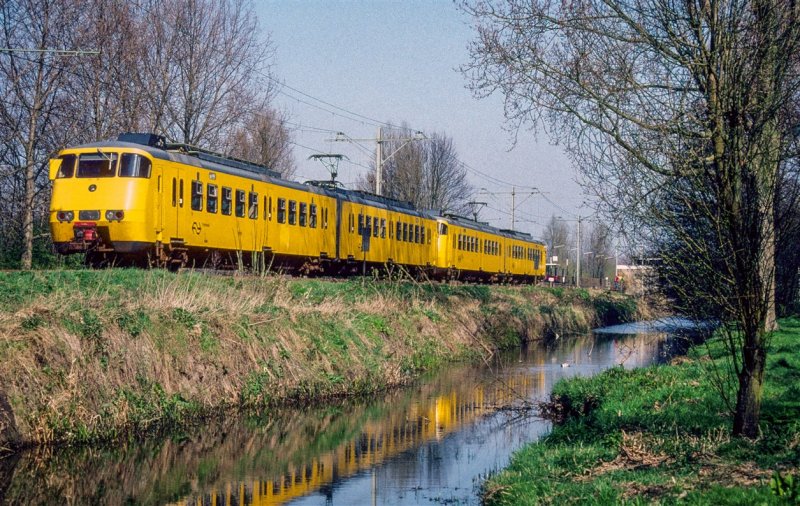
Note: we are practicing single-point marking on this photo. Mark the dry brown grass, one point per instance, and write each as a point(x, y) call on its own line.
point(76, 370)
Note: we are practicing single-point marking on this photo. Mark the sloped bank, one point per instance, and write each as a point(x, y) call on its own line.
point(92, 355)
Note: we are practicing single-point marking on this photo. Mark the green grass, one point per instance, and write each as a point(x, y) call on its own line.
point(663, 435)
point(77, 338)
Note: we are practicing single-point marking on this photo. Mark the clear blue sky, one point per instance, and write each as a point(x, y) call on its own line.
point(396, 61)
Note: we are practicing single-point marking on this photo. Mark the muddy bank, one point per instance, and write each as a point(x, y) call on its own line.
point(95, 355)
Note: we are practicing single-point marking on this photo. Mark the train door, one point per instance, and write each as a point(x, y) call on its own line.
point(173, 201)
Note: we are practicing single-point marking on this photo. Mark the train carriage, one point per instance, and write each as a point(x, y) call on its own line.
point(140, 200)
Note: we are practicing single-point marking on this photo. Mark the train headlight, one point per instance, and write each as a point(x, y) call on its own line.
point(63, 216)
point(115, 215)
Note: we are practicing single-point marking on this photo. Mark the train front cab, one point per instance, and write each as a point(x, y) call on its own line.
point(103, 200)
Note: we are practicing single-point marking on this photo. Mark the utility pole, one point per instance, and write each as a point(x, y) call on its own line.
point(578, 267)
point(513, 193)
point(513, 206)
point(379, 158)
point(379, 163)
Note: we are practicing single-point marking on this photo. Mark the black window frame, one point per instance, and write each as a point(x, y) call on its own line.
point(239, 204)
point(302, 219)
point(226, 206)
point(197, 195)
point(281, 210)
point(212, 198)
point(312, 215)
point(292, 212)
point(252, 205)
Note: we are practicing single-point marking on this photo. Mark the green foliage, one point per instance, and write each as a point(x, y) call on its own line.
point(614, 310)
point(785, 486)
point(135, 322)
point(673, 417)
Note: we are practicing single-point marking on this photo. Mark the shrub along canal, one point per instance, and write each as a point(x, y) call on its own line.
point(433, 442)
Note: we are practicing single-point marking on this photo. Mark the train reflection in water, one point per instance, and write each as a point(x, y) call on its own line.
point(430, 439)
point(426, 420)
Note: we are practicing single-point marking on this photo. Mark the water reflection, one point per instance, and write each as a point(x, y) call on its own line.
point(431, 442)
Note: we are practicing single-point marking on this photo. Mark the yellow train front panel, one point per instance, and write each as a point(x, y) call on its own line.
point(104, 194)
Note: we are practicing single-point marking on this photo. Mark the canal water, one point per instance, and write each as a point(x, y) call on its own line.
point(432, 443)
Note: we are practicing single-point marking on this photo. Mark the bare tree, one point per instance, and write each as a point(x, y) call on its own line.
point(557, 238)
point(600, 238)
point(678, 115)
point(105, 90)
point(191, 69)
point(265, 139)
point(31, 105)
point(426, 173)
point(206, 65)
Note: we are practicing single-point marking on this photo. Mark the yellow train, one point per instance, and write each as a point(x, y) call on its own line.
point(139, 200)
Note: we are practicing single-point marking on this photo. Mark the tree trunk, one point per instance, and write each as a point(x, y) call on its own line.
point(748, 399)
point(26, 260)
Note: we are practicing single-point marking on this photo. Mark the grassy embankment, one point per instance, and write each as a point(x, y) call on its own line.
point(91, 355)
point(663, 435)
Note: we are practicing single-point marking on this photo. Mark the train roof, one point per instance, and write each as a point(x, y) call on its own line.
point(485, 227)
point(208, 161)
point(157, 147)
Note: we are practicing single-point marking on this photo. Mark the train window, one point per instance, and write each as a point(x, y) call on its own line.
point(360, 223)
point(399, 234)
point(422, 235)
point(416, 234)
point(239, 209)
point(281, 210)
point(132, 165)
point(376, 228)
point(292, 212)
point(174, 192)
point(325, 218)
point(227, 201)
point(459, 241)
point(97, 164)
point(269, 209)
point(197, 195)
point(266, 208)
point(443, 228)
point(211, 198)
point(383, 228)
point(405, 232)
point(303, 213)
point(67, 168)
point(252, 206)
point(180, 193)
point(312, 215)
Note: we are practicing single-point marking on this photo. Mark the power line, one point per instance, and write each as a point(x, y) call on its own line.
point(351, 113)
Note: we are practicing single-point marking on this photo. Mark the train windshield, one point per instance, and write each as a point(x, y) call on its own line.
point(67, 168)
point(134, 166)
point(97, 164)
